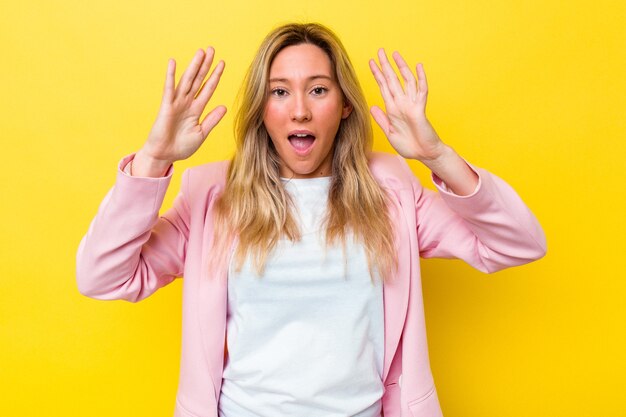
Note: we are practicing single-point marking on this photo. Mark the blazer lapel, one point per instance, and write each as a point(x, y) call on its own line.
point(212, 308)
point(396, 290)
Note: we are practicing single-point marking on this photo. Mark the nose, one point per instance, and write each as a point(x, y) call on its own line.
point(300, 111)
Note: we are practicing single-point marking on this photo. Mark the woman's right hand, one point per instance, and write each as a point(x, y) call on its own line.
point(177, 132)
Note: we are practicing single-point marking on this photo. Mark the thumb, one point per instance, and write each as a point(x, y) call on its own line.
point(381, 118)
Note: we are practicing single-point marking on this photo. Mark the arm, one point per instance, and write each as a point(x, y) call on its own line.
point(476, 216)
point(490, 229)
point(129, 252)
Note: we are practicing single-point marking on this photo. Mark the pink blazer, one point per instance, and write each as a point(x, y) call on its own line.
point(129, 252)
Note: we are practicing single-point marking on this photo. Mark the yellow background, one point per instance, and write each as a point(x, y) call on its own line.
point(534, 91)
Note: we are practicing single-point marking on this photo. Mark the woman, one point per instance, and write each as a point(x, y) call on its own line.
point(302, 291)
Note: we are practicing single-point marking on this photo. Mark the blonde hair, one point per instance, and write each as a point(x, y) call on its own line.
point(254, 205)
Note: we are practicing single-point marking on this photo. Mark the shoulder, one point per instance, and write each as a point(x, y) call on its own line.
point(205, 179)
point(391, 171)
point(212, 171)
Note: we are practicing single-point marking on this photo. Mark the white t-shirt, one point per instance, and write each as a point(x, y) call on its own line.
point(306, 338)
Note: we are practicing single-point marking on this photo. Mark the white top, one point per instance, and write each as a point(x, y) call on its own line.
point(305, 339)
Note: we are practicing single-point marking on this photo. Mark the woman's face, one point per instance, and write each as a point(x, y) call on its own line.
point(304, 110)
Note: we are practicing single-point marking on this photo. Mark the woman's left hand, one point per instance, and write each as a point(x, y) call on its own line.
point(405, 123)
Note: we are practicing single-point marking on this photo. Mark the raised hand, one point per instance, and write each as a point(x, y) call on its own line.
point(404, 122)
point(177, 132)
point(409, 131)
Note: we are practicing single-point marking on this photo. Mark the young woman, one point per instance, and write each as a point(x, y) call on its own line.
point(302, 292)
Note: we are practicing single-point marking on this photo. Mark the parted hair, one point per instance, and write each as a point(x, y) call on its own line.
point(254, 206)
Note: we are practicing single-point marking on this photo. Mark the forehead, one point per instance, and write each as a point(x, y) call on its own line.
point(301, 60)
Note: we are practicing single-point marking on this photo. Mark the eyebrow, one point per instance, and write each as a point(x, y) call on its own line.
point(313, 77)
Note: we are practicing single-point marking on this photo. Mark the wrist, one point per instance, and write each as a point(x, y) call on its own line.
point(443, 158)
point(144, 165)
point(457, 175)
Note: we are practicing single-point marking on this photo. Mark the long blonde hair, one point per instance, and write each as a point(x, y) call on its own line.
point(254, 205)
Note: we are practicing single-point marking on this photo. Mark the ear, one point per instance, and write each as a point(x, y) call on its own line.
point(347, 109)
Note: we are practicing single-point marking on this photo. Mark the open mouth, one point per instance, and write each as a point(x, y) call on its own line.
point(301, 142)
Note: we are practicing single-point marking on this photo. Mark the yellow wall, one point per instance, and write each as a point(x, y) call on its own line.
point(534, 91)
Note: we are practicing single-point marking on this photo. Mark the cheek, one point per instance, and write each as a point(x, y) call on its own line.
point(272, 116)
point(330, 115)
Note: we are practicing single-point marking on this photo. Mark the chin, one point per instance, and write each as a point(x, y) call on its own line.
point(304, 172)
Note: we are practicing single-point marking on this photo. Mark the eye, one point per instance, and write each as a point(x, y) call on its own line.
point(279, 92)
point(318, 91)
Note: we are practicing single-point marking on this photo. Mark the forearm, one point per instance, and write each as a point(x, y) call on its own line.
point(491, 229)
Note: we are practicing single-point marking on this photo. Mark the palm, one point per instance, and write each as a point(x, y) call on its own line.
point(404, 122)
point(182, 127)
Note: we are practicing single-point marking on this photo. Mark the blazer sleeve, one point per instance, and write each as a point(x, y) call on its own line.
point(129, 252)
point(490, 229)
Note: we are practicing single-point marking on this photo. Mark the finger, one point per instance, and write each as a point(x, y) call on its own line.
point(210, 85)
point(422, 84)
point(382, 82)
point(184, 85)
point(212, 119)
point(381, 118)
point(390, 75)
point(168, 89)
point(407, 75)
point(204, 70)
